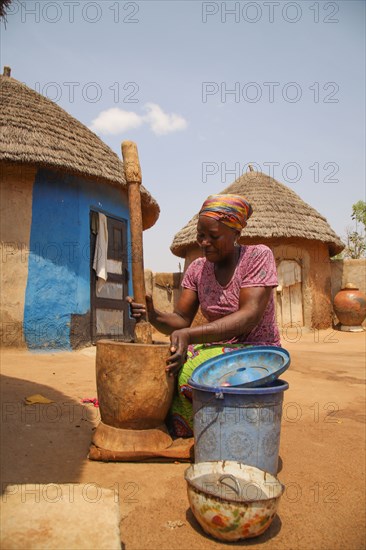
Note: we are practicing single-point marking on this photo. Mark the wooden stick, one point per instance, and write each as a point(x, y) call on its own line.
point(132, 169)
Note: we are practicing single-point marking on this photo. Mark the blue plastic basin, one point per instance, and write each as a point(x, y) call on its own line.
point(246, 367)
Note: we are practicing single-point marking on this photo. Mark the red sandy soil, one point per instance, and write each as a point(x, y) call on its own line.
point(322, 448)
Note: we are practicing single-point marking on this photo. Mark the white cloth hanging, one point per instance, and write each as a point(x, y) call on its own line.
point(100, 252)
point(289, 273)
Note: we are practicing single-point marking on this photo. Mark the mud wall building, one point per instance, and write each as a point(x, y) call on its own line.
point(301, 240)
point(60, 186)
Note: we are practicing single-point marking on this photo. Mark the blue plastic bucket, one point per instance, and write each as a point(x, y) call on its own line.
point(240, 424)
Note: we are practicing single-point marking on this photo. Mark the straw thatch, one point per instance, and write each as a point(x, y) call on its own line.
point(4, 4)
point(36, 131)
point(279, 213)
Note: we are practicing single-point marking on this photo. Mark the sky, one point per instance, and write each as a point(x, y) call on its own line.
point(204, 89)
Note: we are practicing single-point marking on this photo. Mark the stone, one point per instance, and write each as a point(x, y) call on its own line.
point(78, 516)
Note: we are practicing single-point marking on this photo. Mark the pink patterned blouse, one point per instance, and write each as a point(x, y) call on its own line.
point(256, 267)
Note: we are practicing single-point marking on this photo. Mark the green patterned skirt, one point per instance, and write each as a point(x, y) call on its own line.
point(181, 413)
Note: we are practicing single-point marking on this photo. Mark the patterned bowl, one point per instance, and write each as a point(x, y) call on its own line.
point(231, 500)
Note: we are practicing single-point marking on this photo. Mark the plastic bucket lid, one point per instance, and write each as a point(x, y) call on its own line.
point(245, 367)
point(276, 386)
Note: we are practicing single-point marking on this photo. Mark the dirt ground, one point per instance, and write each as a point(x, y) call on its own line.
point(322, 448)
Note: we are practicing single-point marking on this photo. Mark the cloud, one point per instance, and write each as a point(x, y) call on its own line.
point(163, 123)
point(116, 121)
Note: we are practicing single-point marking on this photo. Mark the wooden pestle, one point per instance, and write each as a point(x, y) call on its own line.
point(132, 170)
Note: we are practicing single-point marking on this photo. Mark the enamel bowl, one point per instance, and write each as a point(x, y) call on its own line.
point(232, 501)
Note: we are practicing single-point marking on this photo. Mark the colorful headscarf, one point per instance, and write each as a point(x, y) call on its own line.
point(232, 210)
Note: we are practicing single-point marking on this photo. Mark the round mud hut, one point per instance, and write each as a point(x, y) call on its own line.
point(301, 240)
point(65, 235)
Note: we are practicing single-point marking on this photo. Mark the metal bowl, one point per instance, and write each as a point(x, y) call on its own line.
point(232, 501)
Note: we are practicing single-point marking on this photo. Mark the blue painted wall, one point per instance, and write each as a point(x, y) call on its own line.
point(59, 263)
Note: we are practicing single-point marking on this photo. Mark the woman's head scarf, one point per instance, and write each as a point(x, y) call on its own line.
point(232, 210)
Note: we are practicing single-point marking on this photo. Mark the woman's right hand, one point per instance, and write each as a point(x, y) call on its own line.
point(180, 340)
point(139, 310)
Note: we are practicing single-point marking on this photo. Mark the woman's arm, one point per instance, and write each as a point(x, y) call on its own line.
point(166, 323)
point(252, 304)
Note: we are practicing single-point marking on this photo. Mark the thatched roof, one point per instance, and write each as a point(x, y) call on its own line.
point(4, 5)
point(36, 131)
point(278, 213)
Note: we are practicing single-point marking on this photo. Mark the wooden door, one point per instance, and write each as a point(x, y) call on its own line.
point(289, 308)
point(109, 309)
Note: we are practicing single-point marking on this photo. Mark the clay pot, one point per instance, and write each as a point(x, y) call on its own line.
point(350, 306)
point(134, 391)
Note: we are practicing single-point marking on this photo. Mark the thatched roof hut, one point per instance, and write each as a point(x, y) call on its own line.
point(279, 213)
point(36, 131)
point(300, 238)
point(65, 227)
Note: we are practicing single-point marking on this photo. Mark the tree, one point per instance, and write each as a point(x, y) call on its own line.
point(359, 213)
point(355, 236)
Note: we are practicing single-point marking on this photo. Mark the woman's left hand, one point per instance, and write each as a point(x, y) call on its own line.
point(179, 343)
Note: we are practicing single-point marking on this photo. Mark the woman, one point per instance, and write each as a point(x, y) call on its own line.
point(232, 284)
